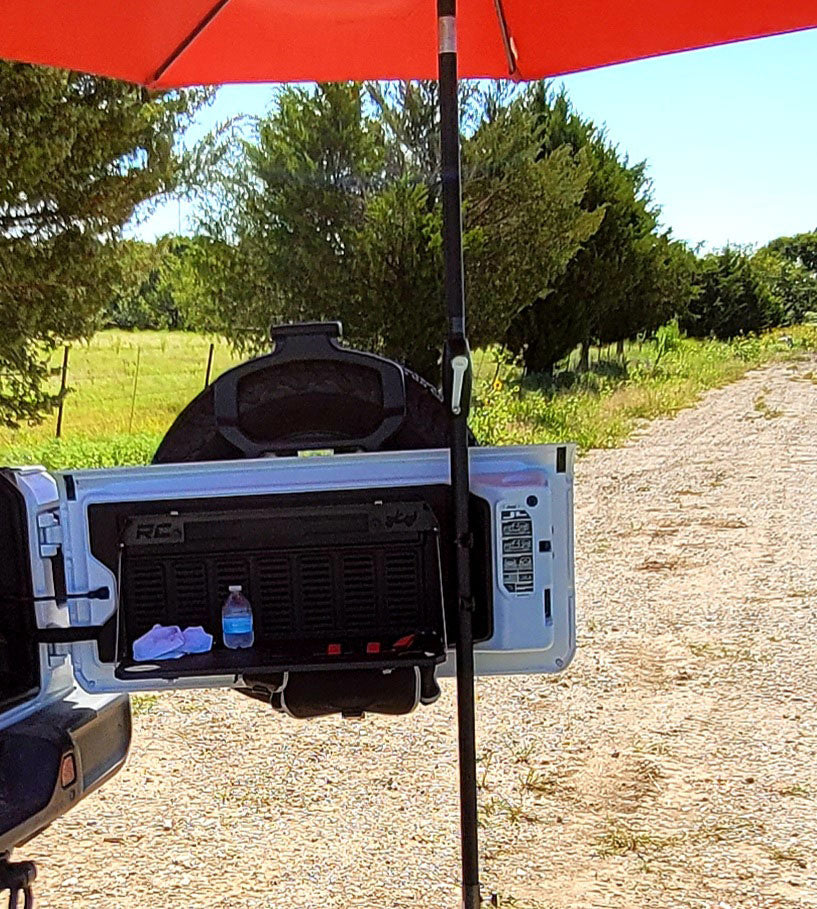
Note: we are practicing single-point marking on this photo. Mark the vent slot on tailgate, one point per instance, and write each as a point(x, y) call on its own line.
point(363, 576)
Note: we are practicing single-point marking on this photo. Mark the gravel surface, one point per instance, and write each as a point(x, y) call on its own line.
point(673, 765)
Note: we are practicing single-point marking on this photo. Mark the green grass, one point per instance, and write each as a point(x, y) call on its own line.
point(597, 409)
point(142, 703)
point(98, 429)
point(620, 837)
point(600, 408)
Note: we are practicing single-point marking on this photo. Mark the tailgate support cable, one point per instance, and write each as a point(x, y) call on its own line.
point(98, 593)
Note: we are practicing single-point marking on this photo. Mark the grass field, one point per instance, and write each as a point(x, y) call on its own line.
point(107, 423)
point(98, 426)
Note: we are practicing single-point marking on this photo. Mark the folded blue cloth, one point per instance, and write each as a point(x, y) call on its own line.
point(196, 640)
point(167, 642)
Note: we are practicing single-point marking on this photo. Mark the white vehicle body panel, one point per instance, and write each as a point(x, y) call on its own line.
point(57, 681)
point(534, 631)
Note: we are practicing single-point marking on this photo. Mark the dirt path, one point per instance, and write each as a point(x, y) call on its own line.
point(674, 765)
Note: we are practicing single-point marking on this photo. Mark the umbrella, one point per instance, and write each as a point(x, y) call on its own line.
point(164, 45)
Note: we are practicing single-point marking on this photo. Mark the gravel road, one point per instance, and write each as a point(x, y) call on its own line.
point(673, 765)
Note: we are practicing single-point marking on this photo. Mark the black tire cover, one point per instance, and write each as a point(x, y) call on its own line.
point(335, 399)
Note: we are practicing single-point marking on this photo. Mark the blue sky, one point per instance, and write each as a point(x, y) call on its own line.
point(730, 134)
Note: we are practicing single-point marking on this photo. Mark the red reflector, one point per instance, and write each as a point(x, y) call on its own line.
point(68, 771)
point(333, 650)
point(373, 647)
point(406, 641)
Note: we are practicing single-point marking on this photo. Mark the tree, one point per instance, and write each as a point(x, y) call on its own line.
point(800, 249)
point(157, 286)
point(77, 155)
point(526, 214)
point(280, 220)
point(731, 299)
point(788, 268)
point(628, 277)
point(333, 211)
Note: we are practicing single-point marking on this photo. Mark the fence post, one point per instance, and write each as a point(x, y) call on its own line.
point(63, 385)
point(135, 381)
point(209, 365)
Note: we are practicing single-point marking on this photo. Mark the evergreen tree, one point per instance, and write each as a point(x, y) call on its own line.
point(77, 155)
point(628, 277)
point(332, 211)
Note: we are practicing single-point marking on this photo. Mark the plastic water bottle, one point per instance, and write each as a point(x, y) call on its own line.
point(236, 620)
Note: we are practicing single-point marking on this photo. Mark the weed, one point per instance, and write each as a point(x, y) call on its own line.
point(718, 479)
point(514, 811)
point(619, 839)
point(670, 564)
point(524, 754)
point(785, 856)
point(486, 759)
point(506, 901)
point(722, 652)
point(654, 746)
point(700, 648)
point(142, 703)
point(725, 830)
point(762, 407)
point(796, 790)
point(541, 783)
point(724, 523)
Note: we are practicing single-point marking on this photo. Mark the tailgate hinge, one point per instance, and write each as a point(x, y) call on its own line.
point(49, 533)
point(55, 659)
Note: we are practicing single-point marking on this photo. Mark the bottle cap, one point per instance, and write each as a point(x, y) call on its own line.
point(234, 588)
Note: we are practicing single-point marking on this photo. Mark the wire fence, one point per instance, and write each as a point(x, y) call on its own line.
point(124, 384)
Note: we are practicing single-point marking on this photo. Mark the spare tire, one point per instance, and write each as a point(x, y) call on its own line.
point(334, 400)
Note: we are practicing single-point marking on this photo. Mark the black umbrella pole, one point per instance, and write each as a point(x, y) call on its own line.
point(457, 387)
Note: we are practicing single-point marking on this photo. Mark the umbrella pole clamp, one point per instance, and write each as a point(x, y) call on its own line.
point(457, 380)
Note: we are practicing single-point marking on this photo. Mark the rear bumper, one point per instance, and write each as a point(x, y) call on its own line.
point(34, 753)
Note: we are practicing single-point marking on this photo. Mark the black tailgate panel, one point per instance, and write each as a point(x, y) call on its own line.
point(353, 576)
point(314, 566)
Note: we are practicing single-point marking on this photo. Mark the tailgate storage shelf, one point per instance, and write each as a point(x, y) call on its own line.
point(330, 587)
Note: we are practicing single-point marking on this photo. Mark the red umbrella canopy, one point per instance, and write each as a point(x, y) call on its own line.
point(164, 44)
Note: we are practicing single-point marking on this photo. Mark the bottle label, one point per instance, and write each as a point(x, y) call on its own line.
point(237, 624)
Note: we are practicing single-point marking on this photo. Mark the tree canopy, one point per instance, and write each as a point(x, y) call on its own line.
point(628, 277)
point(789, 269)
point(333, 211)
point(157, 286)
point(77, 155)
point(731, 297)
point(329, 207)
